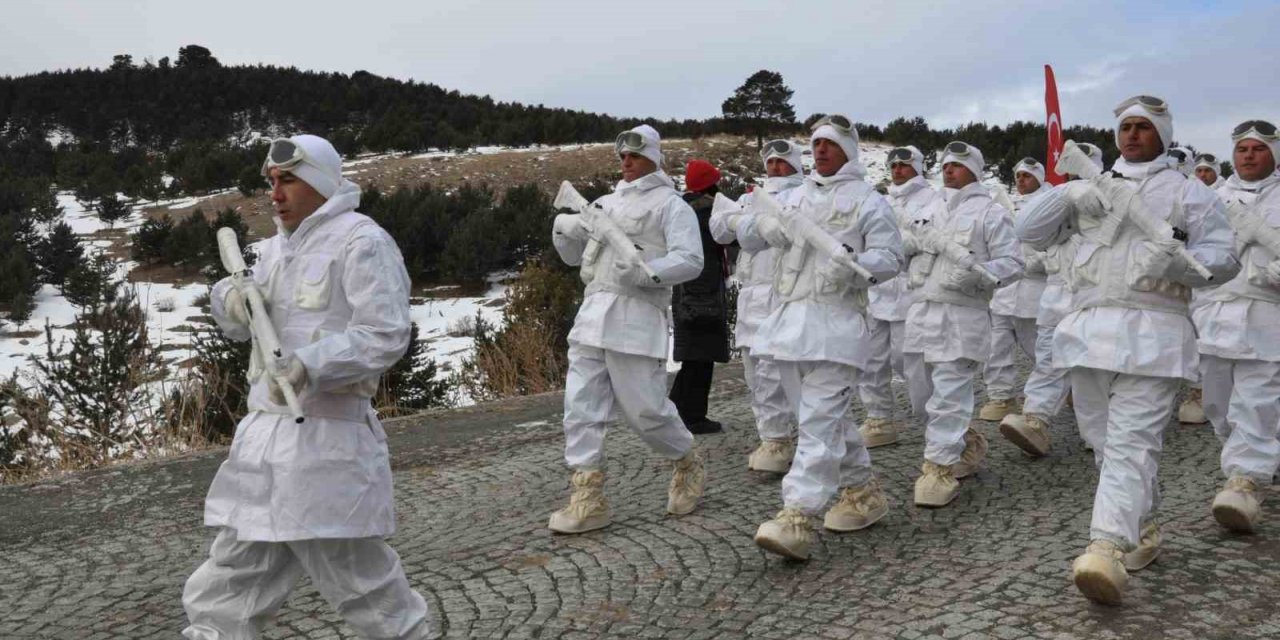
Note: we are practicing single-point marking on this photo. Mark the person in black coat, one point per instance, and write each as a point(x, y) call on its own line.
point(699, 309)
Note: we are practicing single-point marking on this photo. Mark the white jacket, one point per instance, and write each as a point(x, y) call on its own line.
point(338, 295)
point(946, 324)
point(1022, 298)
point(912, 200)
point(1141, 328)
point(756, 297)
point(1240, 319)
point(818, 319)
point(632, 317)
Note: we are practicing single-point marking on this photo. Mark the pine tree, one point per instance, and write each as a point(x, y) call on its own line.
point(97, 383)
point(760, 105)
point(149, 240)
point(86, 284)
point(112, 210)
point(58, 254)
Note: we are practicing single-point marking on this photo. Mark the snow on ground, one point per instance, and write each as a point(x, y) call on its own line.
point(438, 317)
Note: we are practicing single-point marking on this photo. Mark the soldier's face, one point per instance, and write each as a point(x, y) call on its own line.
point(1253, 160)
point(1027, 183)
point(956, 176)
point(828, 157)
point(292, 198)
point(1207, 176)
point(1139, 140)
point(778, 168)
point(635, 166)
point(900, 173)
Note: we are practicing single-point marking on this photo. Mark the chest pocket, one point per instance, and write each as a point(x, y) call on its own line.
point(315, 283)
point(1086, 270)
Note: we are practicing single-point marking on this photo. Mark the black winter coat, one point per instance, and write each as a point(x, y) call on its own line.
point(699, 307)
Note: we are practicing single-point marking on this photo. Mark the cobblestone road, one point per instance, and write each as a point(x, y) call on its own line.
point(104, 554)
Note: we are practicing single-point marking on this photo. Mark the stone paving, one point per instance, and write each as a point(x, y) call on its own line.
point(104, 554)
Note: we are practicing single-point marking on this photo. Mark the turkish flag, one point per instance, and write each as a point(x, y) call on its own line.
point(1053, 124)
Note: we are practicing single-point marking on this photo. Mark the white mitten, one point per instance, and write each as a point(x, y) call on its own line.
point(1272, 272)
point(295, 374)
point(1086, 199)
point(836, 271)
point(236, 306)
point(773, 231)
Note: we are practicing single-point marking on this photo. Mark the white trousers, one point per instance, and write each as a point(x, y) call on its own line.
point(599, 377)
point(942, 391)
point(829, 452)
point(1046, 387)
point(1123, 417)
point(775, 418)
point(884, 343)
point(1007, 333)
point(242, 585)
point(1242, 401)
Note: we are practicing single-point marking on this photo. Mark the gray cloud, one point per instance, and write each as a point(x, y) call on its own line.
point(949, 61)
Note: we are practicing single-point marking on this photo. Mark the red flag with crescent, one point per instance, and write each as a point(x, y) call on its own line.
point(1053, 125)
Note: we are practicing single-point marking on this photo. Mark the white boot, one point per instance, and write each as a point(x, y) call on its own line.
point(857, 508)
point(1238, 506)
point(877, 432)
point(788, 534)
point(1099, 574)
point(588, 510)
point(773, 456)
point(975, 451)
point(687, 483)
point(996, 410)
point(1148, 548)
point(1192, 409)
point(1029, 433)
point(936, 486)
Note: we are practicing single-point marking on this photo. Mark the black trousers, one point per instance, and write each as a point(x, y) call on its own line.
point(689, 393)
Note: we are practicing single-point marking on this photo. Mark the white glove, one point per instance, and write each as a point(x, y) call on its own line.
point(1272, 272)
point(773, 231)
point(1156, 261)
point(1086, 199)
point(910, 244)
point(633, 274)
point(571, 225)
point(236, 306)
point(957, 279)
point(295, 374)
point(1035, 262)
point(836, 271)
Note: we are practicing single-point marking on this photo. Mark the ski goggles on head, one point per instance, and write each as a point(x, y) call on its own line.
point(837, 121)
point(959, 149)
point(284, 154)
point(1091, 150)
point(630, 142)
point(1178, 154)
point(1030, 163)
point(1207, 158)
point(1264, 129)
point(901, 155)
point(1150, 103)
point(775, 148)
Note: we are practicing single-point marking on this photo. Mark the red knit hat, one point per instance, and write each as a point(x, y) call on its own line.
point(700, 175)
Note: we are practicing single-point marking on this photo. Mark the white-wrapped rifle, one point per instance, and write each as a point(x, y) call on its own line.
point(1254, 229)
point(602, 228)
point(265, 340)
point(1119, 209)
point(812, 234)
point(937, 242)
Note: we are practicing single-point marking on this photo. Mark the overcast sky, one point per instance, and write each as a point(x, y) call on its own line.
point(951, 62)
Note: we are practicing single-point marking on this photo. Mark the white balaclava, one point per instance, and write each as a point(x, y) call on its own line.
point(973, 161)
point(1094, 153)
point(1187, 166)
point(917, 159)
point(795, 158)
point(1274, 145)
point(1163, 122)
point(1036, 170)
point(321, 166)
point(653, 147)
point(848, 143)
